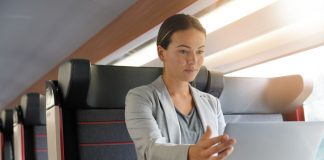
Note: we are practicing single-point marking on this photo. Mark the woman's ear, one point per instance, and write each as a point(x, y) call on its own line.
point(161, 52)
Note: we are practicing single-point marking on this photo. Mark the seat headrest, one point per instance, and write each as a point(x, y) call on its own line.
point(33, 109)
point(201, 80)
point(110, 84)
point(250, 95)
point(286, 93)
point(215, 83)
point(73, 79)
point(7, 121)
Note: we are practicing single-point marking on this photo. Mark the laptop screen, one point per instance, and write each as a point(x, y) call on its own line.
point(276, 140)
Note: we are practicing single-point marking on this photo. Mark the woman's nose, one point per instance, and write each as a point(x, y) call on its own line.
point(192, 58)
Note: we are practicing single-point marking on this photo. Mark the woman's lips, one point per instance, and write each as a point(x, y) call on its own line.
point(190, 70)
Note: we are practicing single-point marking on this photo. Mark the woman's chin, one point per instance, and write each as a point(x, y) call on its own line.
point(190, 78)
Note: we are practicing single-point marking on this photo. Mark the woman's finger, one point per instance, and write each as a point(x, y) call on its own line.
point(211, 141)
point(207, 134)
point(220, 147)
point(224, 154)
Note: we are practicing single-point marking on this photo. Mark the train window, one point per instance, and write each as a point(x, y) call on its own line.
point(139, 56)
point(215, 19)
point(308, 63)
point(143, 54)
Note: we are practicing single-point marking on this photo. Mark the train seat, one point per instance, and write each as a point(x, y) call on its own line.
point(85, 131)
point(7, 124)
point(263, 99)
point(30, 140)
point(85, 109)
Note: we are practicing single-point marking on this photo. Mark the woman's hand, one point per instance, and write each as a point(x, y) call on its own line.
point(216, 148)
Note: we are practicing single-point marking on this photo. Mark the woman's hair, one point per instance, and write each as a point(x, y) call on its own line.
point(176, 23)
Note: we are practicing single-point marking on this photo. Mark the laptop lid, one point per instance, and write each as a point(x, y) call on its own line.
point(276, 140)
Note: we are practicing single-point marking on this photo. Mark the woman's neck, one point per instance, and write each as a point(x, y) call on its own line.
point(176, 87)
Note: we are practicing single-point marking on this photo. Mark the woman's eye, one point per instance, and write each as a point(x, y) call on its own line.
point(184, 51)
point(200, 52)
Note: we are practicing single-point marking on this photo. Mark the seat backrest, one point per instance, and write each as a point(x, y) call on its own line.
point(92, 108)
point(7, 122)
point(30, 140)
point(262, 99)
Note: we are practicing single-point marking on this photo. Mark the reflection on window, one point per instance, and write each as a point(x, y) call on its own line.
point(307, 63)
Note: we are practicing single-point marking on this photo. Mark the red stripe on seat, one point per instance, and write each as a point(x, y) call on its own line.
point(104, 144)
point(61, 134)
point(22, 142)
point(1, 145)
point(102, 122)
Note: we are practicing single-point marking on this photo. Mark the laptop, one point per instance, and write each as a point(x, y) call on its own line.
point(276, 140)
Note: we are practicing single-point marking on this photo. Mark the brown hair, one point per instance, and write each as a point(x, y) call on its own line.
point(176, 23)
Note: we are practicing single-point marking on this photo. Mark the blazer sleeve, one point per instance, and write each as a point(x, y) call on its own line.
point(144, 130)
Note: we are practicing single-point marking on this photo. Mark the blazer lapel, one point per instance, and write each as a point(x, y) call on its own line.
point(169, 110)
point(200, 109)
point(204, 111)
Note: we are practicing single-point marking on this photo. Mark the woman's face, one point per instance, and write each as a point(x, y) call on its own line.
point(184, 55)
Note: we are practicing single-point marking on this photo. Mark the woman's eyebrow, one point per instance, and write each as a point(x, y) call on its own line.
point(182, 45)
point(201, 47)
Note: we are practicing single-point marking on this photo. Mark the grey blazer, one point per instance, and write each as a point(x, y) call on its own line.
point(153, 125)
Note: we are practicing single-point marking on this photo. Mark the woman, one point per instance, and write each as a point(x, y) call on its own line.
point(169, 119)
